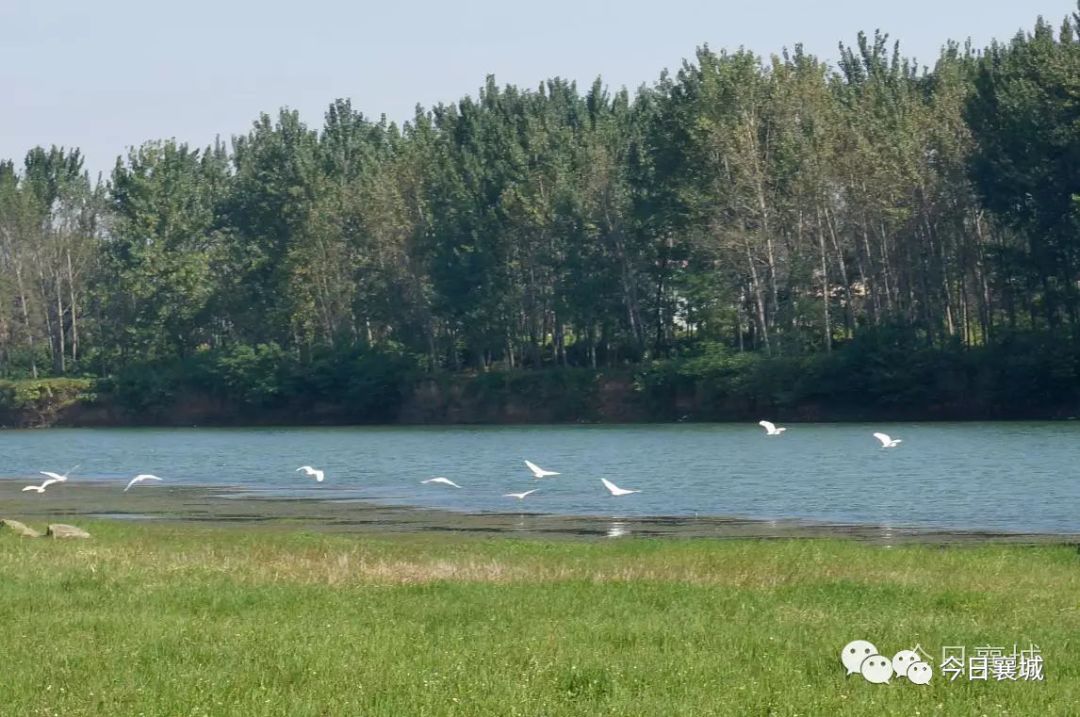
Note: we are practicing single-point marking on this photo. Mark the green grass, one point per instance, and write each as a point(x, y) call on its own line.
point(177, 620)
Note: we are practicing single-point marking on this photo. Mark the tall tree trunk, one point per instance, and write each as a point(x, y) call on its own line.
point(26, 317)
point(824, 280)
point(986, 308)
point(74, 307)
point(60, 333)
point(890, 304)
point(5, 337)
point(629, 288)
point(759, 296)
point(869, 288)
point(842, 264)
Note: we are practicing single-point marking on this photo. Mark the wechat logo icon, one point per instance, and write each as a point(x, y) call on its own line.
point(863, 658)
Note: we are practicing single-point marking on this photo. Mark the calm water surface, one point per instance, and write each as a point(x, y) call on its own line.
point(1022, 477)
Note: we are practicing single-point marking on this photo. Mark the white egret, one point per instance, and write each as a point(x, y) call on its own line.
point(539, 472)
point(770, 428)
point(40, 488)
point(139, 479)
point(56, 477)
point(616, 490)
point(520, 496)
point(441, 481)
point(313, 472)
point(886, 441)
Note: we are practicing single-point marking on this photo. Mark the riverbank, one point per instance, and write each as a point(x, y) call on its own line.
point(1020, 377)
point(258, 509)
point(169, 618)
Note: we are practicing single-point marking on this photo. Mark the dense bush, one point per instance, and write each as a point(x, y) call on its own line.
point(555, 394)
point(878, 375)
point(359, 385)
point(38, 401)
point(1021, 375)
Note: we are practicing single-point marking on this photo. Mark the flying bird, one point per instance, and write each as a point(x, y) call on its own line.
point(886, 441)
point(139, 479)
point(616, 490)
point(56, 477)
point(442, 481)
point(313, 472)
point(520, 496)
point(539, 472)
point(40, 488)
point(770, 428)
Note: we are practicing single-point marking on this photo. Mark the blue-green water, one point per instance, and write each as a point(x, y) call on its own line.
point(1020, 477)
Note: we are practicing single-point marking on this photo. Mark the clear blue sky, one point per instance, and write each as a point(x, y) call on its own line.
point(109, 74)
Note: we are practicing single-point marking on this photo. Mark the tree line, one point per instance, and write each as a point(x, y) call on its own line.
point(782, 207)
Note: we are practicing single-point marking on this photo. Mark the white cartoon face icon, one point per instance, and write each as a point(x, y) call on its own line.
point(876, 669)
point(920, 673)
point(903, 660)
point(854, 653)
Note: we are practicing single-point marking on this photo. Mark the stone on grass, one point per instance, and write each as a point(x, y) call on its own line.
point(59, 530)
point(18, 528)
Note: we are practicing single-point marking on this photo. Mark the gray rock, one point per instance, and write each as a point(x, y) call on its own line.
point(20, 529)
point(59, 530)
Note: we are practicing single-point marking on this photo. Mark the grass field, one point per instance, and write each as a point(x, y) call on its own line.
point(175, 620)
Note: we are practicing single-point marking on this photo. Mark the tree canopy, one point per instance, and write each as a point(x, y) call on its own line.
point(774, 205)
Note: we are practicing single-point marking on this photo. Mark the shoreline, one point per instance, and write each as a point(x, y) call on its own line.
point(235, 505)
point(551, 395)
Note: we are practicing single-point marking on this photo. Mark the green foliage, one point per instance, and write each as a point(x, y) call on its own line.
point(252, 375)
point(246, 381)
point(880, 227)
point(876, 376)
point(1024, 117)
point(365, 386)
point(556, 395)
point(31, 393)
point(40, 401)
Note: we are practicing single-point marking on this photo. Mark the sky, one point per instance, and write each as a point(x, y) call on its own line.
point(107, 75)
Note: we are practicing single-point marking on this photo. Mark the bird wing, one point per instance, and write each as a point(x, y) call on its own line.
point(139, 479)
point(885, 440)
point(440, 479)
point(56, 477)
point(610, 486)
point(318, 476)
point(35, 488)
point(537, 470)
point(307, 469)
point(49, 482)
point(768, 426)
point(529, 492)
